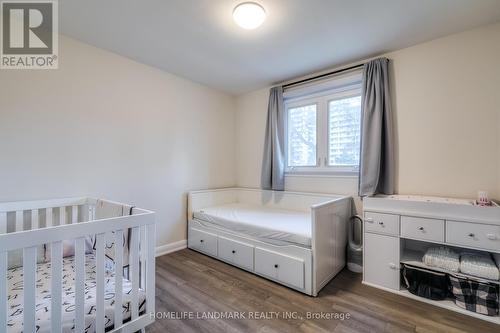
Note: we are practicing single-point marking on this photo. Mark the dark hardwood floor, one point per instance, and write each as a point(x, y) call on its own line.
point(191, 284)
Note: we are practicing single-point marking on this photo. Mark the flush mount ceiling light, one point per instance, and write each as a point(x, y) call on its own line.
point(249, 15)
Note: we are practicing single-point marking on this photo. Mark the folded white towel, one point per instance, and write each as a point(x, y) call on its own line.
point(442, 257)
point(480, 265)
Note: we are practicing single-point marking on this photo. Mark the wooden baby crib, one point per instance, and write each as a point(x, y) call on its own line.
point(76, 265)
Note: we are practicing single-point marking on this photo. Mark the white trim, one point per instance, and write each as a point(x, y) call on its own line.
point(171, 247)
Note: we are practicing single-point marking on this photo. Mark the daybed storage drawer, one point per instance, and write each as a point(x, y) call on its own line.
point(382, 223)
point(202, 241)
point(237, 253)
point(422, 228)
point(286, 269)
point(478, 235)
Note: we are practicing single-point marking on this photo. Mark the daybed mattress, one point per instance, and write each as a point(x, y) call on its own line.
point(43, 297)
point(277, 226)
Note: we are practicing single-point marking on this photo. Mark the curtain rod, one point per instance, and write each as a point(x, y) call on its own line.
point(322, 75)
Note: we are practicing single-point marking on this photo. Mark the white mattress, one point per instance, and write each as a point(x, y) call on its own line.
point(278, 226)
point(43, 297)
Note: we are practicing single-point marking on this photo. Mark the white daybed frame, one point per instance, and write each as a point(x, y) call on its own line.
point(304, 269)
point(75, 223)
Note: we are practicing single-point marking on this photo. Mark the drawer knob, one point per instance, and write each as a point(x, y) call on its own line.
point(201, 240)
point(233, 251)
point(471, 235)
point(276, 266)
point(381, 223)
point(392, 265)
point(421, 228)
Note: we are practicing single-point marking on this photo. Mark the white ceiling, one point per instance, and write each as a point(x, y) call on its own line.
point(198, 40)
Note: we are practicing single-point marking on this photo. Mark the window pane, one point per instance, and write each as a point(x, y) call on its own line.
point(302, 136)
point(344, 119)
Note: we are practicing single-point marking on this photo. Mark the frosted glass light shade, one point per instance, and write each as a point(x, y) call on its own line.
point(249, 15)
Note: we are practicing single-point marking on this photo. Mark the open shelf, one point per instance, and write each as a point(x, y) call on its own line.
point(450, 305)
point(414, 258)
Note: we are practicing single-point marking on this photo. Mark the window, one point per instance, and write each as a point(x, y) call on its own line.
point(344, 121)
point(302, 135)
point(323, 129)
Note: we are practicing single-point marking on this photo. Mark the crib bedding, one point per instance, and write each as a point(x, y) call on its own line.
point(277, 226)
point(43, 297)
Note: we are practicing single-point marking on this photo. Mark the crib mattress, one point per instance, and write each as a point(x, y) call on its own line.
point(277, 226)
point(43, 297)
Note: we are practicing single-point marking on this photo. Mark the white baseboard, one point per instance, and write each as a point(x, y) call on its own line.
point(172, 247)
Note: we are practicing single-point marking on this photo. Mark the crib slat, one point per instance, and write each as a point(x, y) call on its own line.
point(62, 215)
point(134, 269)
point(80, 285)
point(118, 278)
point(29, 286)
point(89, 213)
point(85, 212)
point(143, 255)
point(48, 217)
point(3, 224)
point(3, 291)
point(56, 286)
point(19, 220)
point(100, 238)
point(34, 219)
point(150, 266)
point(74, 214)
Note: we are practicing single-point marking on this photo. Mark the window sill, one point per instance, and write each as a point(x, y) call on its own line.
point(326, 174)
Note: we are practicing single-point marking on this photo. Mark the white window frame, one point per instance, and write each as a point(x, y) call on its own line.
point(322, 101)
point(298, 104)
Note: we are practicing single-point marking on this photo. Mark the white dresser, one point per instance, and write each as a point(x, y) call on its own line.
point(399, 229)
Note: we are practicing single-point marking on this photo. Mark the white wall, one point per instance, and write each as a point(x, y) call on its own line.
point(447, 107)
point(447, 104)
point(105, 126)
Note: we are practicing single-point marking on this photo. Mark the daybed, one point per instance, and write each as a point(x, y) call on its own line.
point(296, 239)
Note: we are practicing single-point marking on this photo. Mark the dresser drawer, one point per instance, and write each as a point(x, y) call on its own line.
point(382, 223)
point(202, 241)
point(285, 269)
point(237, 253)
point(483, 236)
point(422, 228)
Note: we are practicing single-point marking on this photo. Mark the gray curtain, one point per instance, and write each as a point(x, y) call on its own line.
point(273, 164)
point(377, 165)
